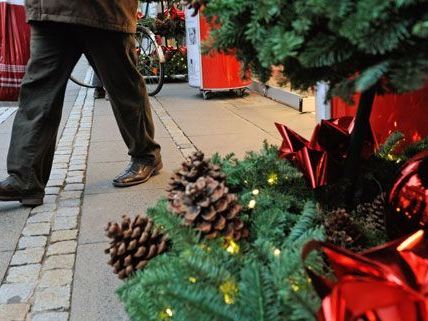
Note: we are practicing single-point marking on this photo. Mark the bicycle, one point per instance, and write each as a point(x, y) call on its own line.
point(150, 63)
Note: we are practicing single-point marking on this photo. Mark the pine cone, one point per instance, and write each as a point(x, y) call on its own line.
point(208, 206)
point(373, 214)
point(194, 167)
point(133, 244)
point(341, 229)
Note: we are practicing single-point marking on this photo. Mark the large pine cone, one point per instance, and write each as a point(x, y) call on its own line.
point(194, 167)
point(208, 206)
point(341, 229)
point(133, 244)
point(374, 213)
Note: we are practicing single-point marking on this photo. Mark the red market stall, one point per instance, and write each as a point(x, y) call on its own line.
point(405, 113)
point(14, 47)
point(213, 72)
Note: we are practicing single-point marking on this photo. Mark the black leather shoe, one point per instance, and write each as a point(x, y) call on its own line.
point(10, 192)
point(137, 172)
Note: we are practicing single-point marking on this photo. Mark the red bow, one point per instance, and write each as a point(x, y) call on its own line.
point(175, 13)
point(321, 158)
point(386, 283)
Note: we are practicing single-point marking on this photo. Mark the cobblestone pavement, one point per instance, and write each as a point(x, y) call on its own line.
point(38, 282)
point(55, 269)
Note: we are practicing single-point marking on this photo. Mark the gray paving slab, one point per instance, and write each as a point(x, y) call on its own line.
point(100, 175)
point(12, 220)
point(114, 151)
point(94, 286)
point(99, 209)
point(105, 129)
point(238, 144)
point(4, 263)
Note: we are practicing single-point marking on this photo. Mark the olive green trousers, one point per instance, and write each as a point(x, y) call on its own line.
point(55, 50)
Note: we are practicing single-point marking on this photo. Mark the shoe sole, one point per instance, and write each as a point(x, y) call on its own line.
point(154, 172)
point(26, 201)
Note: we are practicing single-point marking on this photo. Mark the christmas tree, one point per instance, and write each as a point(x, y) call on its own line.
point(372, 47)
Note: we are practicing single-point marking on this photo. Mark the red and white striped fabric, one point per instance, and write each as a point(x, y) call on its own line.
point(14, 47)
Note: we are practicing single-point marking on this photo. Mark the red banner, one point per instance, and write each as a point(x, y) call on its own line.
point(14, 47)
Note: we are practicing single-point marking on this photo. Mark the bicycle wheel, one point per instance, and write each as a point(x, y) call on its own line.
point(80, 74)
point(150, 61)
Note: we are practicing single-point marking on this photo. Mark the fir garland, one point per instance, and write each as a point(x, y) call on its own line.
point(351, 44)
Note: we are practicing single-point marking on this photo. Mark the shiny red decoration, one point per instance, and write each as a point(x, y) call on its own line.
point(386, 283)
point(175, 13)
point(321, 158)
point(409, 197)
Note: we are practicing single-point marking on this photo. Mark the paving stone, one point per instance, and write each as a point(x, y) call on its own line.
point(44, 208)
point(78, 162)
point(59, 262)
point(64, 235)
point(68, 211)
point(52, 190)
point(50, 316)
point(61, 158)
point(78, 167)
point(74, 187)
point(57, 177)
point(13, 312)
point(78, 173)
point(56, 183)
point(15, 293)
point(34, 229)
point(65, 223)
point(64, 247)
point(74, 179)
point(32, 241)
point(54, 278)
point(64, 151)
point(52, 298)
point(77, 158)
point(60, 171)
point(24, 274)
point(27, 256)
point(60, 166)
point(71, 195)
point(69, 203)
point(44, 217)
point(50, 199)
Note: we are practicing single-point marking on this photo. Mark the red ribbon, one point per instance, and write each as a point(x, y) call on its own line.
point(386, 283)
point(321, 158)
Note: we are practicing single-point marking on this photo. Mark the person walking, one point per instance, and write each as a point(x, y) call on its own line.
point(61, 31)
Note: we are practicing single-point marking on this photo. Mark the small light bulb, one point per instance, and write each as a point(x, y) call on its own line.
point(169, 312)
point(232, 247)
point(256, 192)
point(252, 204)
point(192, 279)
point(277, 252)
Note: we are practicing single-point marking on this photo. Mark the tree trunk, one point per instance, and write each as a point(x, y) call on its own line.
point(358, 136)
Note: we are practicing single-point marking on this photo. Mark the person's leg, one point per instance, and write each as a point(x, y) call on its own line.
point(53, 56)
point(114, 55)
point(99, 91)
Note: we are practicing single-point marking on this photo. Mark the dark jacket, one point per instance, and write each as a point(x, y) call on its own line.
point(117, 15)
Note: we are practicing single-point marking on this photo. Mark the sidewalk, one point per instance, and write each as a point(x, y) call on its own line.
point(59, 271)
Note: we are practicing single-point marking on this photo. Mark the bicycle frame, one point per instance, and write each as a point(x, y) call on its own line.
point(153, 37)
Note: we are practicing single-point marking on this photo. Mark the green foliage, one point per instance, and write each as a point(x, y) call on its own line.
point(199, 279)
point(351, 44)
point(203, 280)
